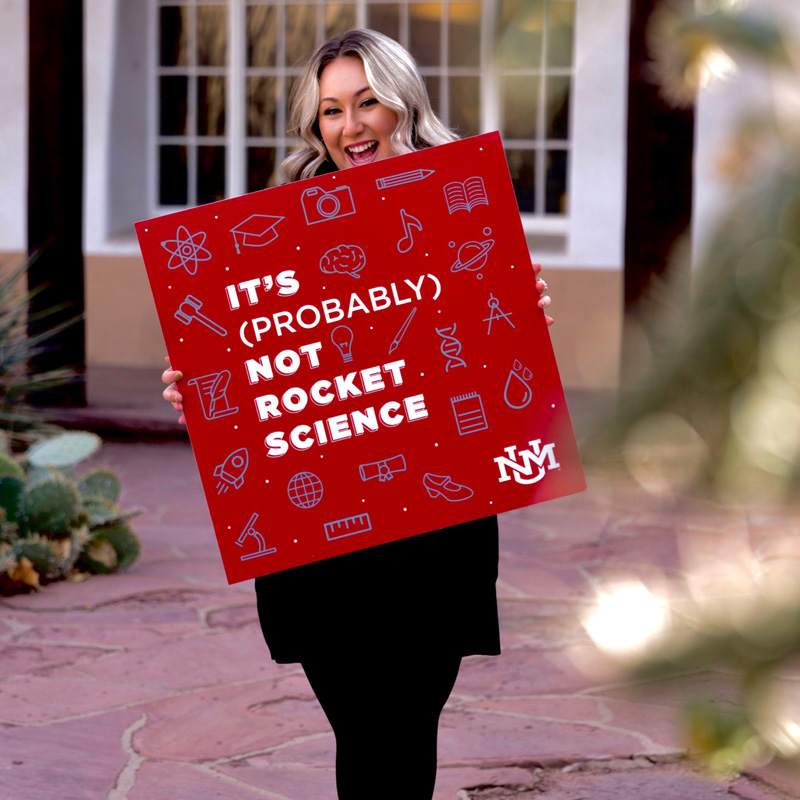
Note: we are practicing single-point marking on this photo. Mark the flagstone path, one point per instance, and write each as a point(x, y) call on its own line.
point(156, 683)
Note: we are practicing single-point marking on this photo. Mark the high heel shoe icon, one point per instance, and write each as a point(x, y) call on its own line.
point(444, 486)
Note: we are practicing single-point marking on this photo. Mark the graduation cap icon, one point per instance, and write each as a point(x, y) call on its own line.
point(256, 231)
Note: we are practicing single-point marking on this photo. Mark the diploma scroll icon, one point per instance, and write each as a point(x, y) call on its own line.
point(382, 470)
point(250, 530)
point(213, 389)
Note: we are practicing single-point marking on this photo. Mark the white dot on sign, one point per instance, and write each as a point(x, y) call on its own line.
point(552, 405)
point(169, 287)
point(227, 269)
point(439, 311)
point(436, 444)
point(229, 527)
point(229, 349)
point(491, 503)
point(236, 427)
point(181, 339)
point(405, 509)
point(295, 541)
point(266, 480)
point(481, 149)
point(422, 374)
point(298, 247)
point(383, 198)
point(146, 229)
point(216, 216)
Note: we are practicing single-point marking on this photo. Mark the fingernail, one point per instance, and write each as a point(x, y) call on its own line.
point(178, 376)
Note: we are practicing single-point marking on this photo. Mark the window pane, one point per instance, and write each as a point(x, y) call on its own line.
point(424, 28)
point(211, 105)
point(174, 29)
point(560, 32)
point(212, 36)
point(519, 33)
point(339, 18)
point(262, 36)
point(210, 174)
point(172, 175)
point(557, 110)
point(289, 81)
point(556, 189)
point(465, 105)
point(522, 166)
point(172, 115)
point(301, 33)
point(384, 18)
point(465, 35)
point(433, 84)
point(520, 99)
point(262, 99)
point(260, 168)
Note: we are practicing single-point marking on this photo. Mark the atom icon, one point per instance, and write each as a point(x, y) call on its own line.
point(186, 250)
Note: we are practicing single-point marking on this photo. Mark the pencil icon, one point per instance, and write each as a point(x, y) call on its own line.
point(403, 177)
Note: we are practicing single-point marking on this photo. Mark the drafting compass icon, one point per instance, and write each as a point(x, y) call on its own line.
point(495, 312)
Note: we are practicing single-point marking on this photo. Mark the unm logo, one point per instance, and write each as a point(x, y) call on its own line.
point(523, 472)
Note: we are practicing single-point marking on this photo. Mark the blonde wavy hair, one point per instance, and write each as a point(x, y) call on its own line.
point(395, 79)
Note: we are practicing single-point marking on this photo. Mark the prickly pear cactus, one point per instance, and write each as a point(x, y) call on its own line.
point(64, 450)
point(50, 506)
point(110, 548)
point(100, 482)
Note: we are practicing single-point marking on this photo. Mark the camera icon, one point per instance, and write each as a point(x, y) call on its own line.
point(319, 205)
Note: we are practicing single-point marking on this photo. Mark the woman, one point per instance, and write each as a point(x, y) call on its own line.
point(381, 632)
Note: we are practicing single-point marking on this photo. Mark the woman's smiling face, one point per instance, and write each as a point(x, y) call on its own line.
point(356, 128)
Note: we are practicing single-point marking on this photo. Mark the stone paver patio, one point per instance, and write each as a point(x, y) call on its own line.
point(156, 683)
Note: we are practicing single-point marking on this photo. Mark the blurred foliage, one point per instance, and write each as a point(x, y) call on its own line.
point(718, 407)
point(716, 410)
point(17, 348)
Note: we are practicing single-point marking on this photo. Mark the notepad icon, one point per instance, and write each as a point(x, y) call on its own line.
point(469, 413)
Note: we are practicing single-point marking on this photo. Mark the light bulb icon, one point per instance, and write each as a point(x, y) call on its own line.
point(342, 337)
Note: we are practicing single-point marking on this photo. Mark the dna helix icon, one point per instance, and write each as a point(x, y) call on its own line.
point(450, 347)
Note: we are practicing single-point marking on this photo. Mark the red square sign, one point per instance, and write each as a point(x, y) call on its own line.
point(364, 356)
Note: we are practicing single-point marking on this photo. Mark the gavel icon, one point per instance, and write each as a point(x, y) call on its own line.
point(189, 309)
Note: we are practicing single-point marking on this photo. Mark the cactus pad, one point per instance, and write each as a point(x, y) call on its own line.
point(9, 468)
point(63, 450)
point(100, 482)
point(50, 506)
point(41, 552)
point(10, 495)
point(97, 558)
point(102, 511)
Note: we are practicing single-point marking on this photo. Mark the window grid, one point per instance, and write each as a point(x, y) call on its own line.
point(238, 74)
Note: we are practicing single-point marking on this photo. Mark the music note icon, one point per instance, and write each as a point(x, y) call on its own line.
point(409, 222)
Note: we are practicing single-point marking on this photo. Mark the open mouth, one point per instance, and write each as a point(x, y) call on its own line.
point(362, 152)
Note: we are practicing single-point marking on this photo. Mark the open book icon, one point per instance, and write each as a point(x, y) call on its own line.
point(465, 195)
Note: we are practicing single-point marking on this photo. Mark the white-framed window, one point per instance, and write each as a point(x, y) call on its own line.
point(224, 68)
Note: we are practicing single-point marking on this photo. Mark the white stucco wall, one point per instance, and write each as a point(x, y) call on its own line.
point(13, 124)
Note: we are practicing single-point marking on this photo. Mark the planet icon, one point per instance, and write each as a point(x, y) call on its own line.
point(472, 256)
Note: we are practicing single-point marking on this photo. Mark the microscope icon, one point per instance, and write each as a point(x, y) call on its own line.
point(250, 530)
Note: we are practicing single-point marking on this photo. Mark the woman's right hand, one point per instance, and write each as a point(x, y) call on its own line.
point(171, 394)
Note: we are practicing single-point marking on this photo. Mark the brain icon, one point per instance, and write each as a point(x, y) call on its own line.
point(346, 258)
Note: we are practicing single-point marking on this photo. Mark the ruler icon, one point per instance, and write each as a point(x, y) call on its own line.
point(347, 526)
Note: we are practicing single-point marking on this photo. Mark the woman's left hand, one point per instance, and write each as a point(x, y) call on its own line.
point(541, 287)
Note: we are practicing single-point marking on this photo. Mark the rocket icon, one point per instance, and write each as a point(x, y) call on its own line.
point(231, 471)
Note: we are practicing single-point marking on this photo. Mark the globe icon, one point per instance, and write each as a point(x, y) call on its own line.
point(305, 489)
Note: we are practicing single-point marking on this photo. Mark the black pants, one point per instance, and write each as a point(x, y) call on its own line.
point(384, 711)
